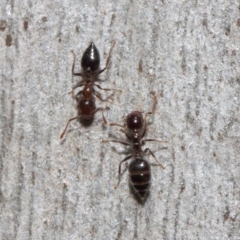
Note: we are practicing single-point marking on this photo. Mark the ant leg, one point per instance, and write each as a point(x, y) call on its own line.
point(80, 84)
point(71, 119)
point(107, 62)
point(148, 113)
point(107, 89)
point(71, 92)
point(153, 106)
point(147, 149)
point(76, 96)
point(124, 143)
point(154, 140)
point(80, 92)
point(116, 124)
point(145, 127)
point(104, 100)
point(73, 66)
point(119, 169)
point(104, 119)
point(125, 134)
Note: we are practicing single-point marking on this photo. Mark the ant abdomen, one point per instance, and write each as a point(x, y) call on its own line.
point(91, 59)
point(140, 176)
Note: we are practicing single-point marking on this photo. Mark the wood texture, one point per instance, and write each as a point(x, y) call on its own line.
point(187, 53)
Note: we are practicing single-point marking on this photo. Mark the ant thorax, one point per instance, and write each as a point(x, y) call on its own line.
point(88, 90)
point(136, 141)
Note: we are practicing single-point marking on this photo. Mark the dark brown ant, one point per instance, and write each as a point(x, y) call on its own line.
point(139, 168)
point(90, 63)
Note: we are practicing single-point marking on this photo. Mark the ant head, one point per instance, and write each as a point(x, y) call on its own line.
point(135, 120)
point(91, 59)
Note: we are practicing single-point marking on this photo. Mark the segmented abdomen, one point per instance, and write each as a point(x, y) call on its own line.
point(140, 176)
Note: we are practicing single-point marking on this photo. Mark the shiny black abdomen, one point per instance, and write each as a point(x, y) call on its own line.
point(90, 59)
point(140, 176)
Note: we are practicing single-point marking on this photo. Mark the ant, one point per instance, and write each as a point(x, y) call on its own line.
point(90, 63)
point(139, 168)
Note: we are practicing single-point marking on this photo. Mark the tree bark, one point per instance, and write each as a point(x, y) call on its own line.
point(184, 52)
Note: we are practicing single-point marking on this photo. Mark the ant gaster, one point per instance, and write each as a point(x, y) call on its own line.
point(139, 168)
point(90, 63)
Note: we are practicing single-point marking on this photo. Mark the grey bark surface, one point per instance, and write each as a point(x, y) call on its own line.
point(185, 52)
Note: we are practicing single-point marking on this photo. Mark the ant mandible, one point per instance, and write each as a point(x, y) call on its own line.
point(90, 63)
point(139, 168)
